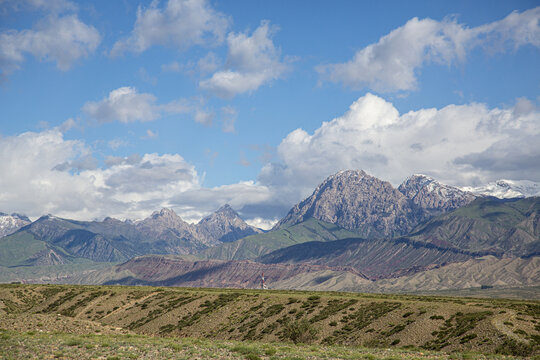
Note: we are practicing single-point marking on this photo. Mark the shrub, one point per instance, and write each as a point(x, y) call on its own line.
point(301, 331)
point(513, 347)
point(73, 342)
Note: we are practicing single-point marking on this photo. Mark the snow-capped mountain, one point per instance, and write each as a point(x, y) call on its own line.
point(11, 223)
point(506, 189)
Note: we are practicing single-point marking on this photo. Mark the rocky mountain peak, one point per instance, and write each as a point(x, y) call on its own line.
point(432, 196)
point(356, 201)
point(226, 225)
point(227, 210)
point(164, 218)
point(164, 213)
point(111, 220)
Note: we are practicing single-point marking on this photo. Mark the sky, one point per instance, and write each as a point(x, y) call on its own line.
point(120, 108)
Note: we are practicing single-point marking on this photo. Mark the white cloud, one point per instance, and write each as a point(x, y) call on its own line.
point(117, 143)
point(458, 144)
point(45, 173)
point(63, 39)
point(126, 105)
point(249, 198)
point(205, 117)
point(252, 61)
point(179, 24)
point(392, 62)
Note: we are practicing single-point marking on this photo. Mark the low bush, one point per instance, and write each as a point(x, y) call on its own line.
point(301, 331)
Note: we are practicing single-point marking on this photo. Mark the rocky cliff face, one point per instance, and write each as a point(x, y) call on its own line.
point(225, 225)
point(432, 197)
point(359, 202)
point(372, 207)
point(11, 223)
point(166, 226)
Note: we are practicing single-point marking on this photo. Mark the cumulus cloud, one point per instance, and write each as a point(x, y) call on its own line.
point(45, 173)
point(179, 24)
point(457, 144)
point(62, 39)
point(252, 61)
point(391, 64)
point(126, 105)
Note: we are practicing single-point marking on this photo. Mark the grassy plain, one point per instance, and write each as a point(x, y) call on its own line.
point(66, 321)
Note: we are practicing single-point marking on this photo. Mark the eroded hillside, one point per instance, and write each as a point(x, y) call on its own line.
point(431, 323)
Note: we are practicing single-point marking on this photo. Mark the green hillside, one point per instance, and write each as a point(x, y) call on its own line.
point(17, 248)
point(508, 226)
point(254, 246)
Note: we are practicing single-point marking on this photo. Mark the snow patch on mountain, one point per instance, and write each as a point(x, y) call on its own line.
point(11, 223)
point(506, 189)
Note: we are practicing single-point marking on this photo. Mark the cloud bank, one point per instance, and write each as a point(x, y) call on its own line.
point(392, 63)
point(457, 144)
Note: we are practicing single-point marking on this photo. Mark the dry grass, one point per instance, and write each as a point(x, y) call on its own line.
point(86, 314)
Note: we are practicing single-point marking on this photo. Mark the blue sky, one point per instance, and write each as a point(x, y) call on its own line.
point(122, 107)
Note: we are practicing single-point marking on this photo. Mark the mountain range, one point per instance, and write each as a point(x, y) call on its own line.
point(355, 232)
point(51, 240)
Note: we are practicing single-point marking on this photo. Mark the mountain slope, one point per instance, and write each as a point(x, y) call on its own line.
point(256, 245)
point(487, 226)
point(52, 240)
point(158, 270)
point(505, 227)
point(168, 231)
point(432, 196)
point(375, 258)
point(373, 208)
point(474, 273)
point(357, 202)
point(225, 225)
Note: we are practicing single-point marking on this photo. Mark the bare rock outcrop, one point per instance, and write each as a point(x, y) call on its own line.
point(356, 201)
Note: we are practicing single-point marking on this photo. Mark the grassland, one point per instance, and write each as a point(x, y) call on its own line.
point(143, 322)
